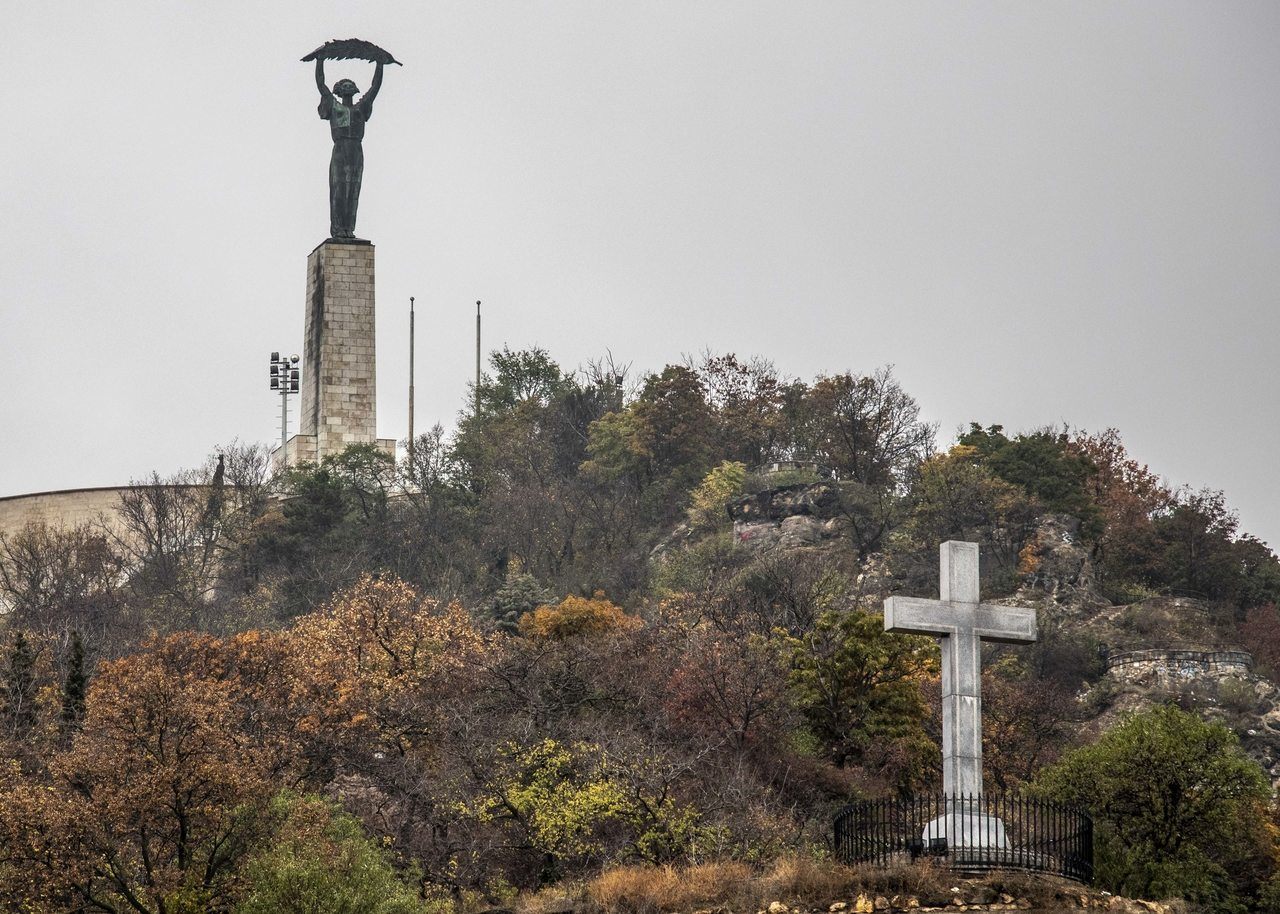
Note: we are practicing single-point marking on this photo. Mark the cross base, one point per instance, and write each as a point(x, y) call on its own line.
point(966, 828)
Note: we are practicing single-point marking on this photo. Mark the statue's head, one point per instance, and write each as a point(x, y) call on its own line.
point(345, 87)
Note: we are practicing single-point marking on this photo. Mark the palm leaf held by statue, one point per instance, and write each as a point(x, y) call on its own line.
point(351, 49)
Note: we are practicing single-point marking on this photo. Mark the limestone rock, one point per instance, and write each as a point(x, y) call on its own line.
point(821, 501)
point(800, 530)
point(980, 894)
point(1055, 562)
point(763, 535)
point(787, 517)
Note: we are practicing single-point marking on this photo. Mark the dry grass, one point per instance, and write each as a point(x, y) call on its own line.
point(920, 878)
point(653, 890)
point(650, 890)
point(793, 880)
point(808, 880)
point(547, 901)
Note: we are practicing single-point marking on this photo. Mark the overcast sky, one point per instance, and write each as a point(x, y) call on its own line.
point(1038, 212)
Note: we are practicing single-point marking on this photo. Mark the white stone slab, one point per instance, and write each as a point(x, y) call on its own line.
point(966, 829)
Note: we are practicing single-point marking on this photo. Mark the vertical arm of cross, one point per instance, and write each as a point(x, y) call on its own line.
point(961, 674)
point(958, 563)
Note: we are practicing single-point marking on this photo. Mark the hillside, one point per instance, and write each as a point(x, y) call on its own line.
point(611, 623)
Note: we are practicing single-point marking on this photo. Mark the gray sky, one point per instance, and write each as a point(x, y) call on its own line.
point(1039, 212)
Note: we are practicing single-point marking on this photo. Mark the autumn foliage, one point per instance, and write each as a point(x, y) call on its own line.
point(543, 648)
point(576, 616)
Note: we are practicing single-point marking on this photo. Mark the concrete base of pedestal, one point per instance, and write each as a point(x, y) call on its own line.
point(302, 449)
point(966, 829)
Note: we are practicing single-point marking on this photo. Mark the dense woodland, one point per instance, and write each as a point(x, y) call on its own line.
point(534, 650)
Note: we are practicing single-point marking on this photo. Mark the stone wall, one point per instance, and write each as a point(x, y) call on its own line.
point(66, 508)
point(1178, 663)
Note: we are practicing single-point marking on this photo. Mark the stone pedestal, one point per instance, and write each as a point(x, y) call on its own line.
point(339, 373)
point(963, 827)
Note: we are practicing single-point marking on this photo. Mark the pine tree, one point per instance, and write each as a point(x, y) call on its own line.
point(73, 688)
point(20, 688)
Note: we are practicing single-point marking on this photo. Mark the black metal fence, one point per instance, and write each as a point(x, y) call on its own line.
point(971, 833)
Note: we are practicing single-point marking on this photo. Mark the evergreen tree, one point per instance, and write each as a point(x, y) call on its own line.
point(20, 688)
point(521, 593)
point(73, 688)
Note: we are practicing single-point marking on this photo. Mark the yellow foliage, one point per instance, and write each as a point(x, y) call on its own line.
point(577, 616)
point(719, 487)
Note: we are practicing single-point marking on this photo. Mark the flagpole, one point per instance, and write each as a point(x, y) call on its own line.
point(411, 382)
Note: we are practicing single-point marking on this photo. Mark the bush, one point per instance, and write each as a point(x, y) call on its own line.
point(520, 593)
point(576, 616)
point(1179, 809)
point(1236, 696)
point(320, 862)
point(719, 487)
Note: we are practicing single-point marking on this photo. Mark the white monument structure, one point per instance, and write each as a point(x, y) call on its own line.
point(963, 623)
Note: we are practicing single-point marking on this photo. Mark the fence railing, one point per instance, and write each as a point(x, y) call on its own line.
point(971, 833)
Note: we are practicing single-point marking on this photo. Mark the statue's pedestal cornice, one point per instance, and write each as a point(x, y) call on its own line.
point(361, 242)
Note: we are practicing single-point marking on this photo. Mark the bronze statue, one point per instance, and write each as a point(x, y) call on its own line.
point(346, 118)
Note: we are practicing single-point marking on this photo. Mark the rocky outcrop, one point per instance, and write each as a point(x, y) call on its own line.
point(787, 517)
point(1054, 563)
point(1247, 703)
point(1165, 649)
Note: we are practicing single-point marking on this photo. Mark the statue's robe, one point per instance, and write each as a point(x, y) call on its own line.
point(346, 166)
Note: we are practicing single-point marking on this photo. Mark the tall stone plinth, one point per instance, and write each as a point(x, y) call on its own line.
point(339, 373)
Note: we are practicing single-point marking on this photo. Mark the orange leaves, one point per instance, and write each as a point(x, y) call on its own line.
point(577, 616)
point(152, 795)
point(371, 655)
point(162, 790)
point(381, 630)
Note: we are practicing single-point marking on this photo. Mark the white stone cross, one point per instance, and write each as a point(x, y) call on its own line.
point(963, 623)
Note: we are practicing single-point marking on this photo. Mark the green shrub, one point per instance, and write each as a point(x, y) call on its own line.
point(319, 861)
point(1179, 810)
point(719, 487)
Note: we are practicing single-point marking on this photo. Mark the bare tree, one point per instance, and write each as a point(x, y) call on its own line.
point(55, 583)
point(867, 428)
point(177, 534)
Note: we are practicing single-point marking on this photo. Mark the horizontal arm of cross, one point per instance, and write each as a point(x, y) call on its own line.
point(989, 621)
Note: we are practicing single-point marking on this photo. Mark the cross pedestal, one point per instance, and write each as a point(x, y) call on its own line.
point(963, 623)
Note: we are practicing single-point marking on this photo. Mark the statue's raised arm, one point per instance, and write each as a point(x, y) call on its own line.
point(369, 96)
point(320, 83)
point(346, 119)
